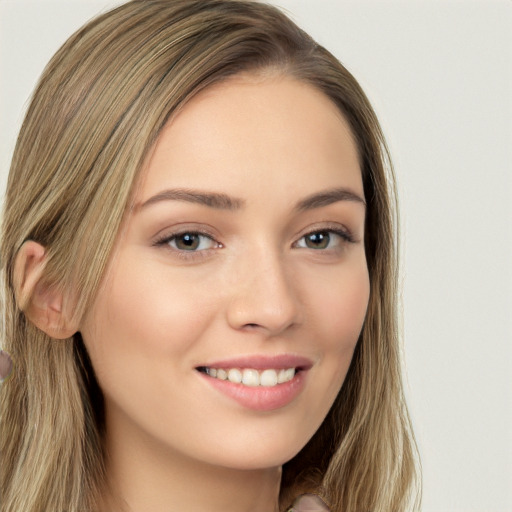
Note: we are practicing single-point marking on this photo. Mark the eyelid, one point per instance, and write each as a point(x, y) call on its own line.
point(182, 228)
point(172, 236)
point(164, 240)
point(343, 232)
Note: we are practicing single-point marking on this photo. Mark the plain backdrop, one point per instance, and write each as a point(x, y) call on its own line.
point(439, 74)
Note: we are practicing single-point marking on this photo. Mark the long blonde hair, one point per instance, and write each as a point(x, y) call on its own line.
point(97, 110)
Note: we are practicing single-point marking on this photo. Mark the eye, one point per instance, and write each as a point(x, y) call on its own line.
point(189, 241)
point(324, 239)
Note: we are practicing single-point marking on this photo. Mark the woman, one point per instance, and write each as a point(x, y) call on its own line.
point(200, 273)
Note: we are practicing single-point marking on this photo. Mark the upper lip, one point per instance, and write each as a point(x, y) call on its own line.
point(262, 362)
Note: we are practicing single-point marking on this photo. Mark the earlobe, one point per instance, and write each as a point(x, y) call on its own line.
point(41, 301)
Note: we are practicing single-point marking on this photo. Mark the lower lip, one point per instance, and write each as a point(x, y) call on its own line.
point(260, 398)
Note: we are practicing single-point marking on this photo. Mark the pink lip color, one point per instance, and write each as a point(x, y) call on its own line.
point(260, 362)
point(261, 398)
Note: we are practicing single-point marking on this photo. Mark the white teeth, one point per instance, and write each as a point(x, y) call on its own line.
point(289, 374)
point(235, 375)
point(281, 376)
point(268, 378)
point(251, 377)
point(221, 374)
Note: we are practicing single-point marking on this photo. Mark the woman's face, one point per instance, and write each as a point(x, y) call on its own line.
point(243, 257)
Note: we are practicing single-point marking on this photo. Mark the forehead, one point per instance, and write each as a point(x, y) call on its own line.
point(250, 129)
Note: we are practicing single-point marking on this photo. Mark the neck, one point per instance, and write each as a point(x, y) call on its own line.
point(144, 476)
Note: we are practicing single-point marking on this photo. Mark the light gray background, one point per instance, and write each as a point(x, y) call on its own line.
point(439, 74)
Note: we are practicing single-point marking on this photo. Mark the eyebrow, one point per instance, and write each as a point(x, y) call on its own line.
point(327, 197)
point(222, 201)
point(215, 200)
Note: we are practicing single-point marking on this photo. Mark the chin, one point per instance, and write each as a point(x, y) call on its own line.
point(257, 455)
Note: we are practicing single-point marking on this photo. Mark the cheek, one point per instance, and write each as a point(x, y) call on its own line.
point(344, 311)
point(348, 314)
point(340, 308)
point(140, 316)
point(337, 307)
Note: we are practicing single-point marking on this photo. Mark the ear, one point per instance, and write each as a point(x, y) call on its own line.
point(42, 302)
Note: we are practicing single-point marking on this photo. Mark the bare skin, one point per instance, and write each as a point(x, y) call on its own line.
point(245, 240)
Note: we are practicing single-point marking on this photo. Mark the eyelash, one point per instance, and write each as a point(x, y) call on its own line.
point(165, 241)
point(345, 236)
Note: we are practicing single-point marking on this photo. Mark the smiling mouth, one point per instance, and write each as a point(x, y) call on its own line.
point(251, 377)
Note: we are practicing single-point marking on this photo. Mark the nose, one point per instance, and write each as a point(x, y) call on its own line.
point(264, 296)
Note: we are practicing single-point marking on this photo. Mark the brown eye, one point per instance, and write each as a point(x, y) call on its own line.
point(324, 240)
point(187, 242)
point(190, 242)
point(319, 240)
